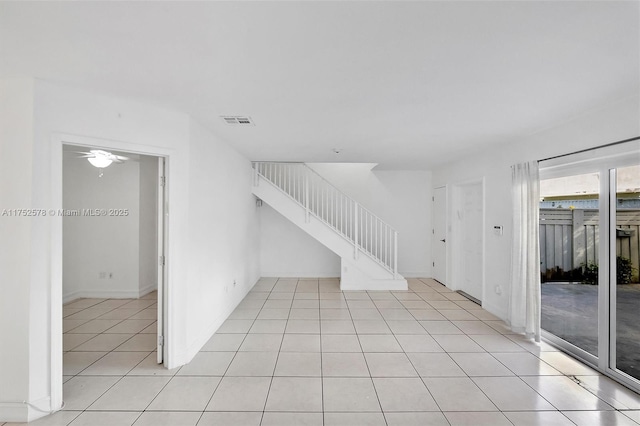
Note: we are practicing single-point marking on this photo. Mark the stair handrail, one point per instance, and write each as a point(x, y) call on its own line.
point(360, 206)
point(391, 267)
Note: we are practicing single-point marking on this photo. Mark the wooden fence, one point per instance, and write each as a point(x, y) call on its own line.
point(569, 240)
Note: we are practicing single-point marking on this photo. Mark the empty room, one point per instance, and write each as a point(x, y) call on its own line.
point(319, 213)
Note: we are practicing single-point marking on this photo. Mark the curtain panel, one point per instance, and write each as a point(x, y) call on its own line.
point(524, 306)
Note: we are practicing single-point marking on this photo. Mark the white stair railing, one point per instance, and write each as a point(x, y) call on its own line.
point(367, 232)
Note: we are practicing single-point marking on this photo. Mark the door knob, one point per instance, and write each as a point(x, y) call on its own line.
point(443, 240)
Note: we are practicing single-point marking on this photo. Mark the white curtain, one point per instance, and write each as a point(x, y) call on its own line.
point(524, 306)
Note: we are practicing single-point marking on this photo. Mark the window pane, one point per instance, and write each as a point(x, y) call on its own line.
point(627, 226)
point(569, 258)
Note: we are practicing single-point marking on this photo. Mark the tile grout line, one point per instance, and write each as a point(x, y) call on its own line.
point(266, 399)
point(467, 375)
point(358, 335)
point(515, 375)
point(407, 356)
point(321, 357)
point(365, 357)
point(107, 353)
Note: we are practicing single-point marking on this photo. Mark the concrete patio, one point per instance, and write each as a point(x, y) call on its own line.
point(570, 311)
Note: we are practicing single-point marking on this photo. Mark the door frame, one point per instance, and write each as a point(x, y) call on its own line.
point(56, 299)
point(604, 161)
point(434, 246)
point(612, 294)
point(456, 237)
point(572, 169)
point(162, 215)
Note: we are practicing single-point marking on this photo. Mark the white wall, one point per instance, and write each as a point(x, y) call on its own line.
point(148, 219)
point(616, 122)
point(16, 163)
point(119, 125)
point(43, 116)
point(223, 234)
point(121, 247)
point(401, 198)
point(100, 244)
point(288, 251)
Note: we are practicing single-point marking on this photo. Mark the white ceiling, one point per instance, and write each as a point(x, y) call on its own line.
point(405, 84)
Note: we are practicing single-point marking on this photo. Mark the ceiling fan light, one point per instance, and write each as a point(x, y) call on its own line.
point(100, 161)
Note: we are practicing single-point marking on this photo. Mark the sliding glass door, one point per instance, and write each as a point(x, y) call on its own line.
point(569, 256)
point(590, 257)
point(625, 227)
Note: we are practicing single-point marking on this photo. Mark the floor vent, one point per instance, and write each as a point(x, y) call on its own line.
point(470, 297)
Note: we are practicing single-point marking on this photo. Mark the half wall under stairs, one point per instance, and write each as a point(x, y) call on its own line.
point(367, 246)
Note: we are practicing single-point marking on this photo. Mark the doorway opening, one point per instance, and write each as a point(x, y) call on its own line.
point(113, 271)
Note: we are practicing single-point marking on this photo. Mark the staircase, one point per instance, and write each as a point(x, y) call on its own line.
point(367, 246)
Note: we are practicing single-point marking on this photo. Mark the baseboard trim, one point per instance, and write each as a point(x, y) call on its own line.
point(415, 274)
point(146, 290)
point(107, 294)
point(22, 412)
point(333, 274)
point(492, 309)
point(213, 326)
point(375, 285)
point(14, 412)
point(195, 347)
point(70, 297)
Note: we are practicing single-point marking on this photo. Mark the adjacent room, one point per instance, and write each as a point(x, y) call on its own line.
point(112, 216)
point(321, 213)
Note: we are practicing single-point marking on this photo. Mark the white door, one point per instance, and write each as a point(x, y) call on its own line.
point(469, 239)
point(161, 258)
point(439, 235)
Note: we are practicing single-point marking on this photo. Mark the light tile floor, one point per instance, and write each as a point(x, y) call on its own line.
point(300, 352)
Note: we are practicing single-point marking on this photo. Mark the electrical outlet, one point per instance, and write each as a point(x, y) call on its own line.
point(498, 289)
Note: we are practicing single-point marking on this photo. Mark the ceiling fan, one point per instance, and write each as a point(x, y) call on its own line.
point(101, 159)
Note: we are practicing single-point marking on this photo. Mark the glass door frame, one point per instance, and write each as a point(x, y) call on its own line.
point(619, 375)
point(604, 161)
point(566, 168)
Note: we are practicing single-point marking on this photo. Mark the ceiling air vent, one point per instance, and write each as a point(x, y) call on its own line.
point(238, 120)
